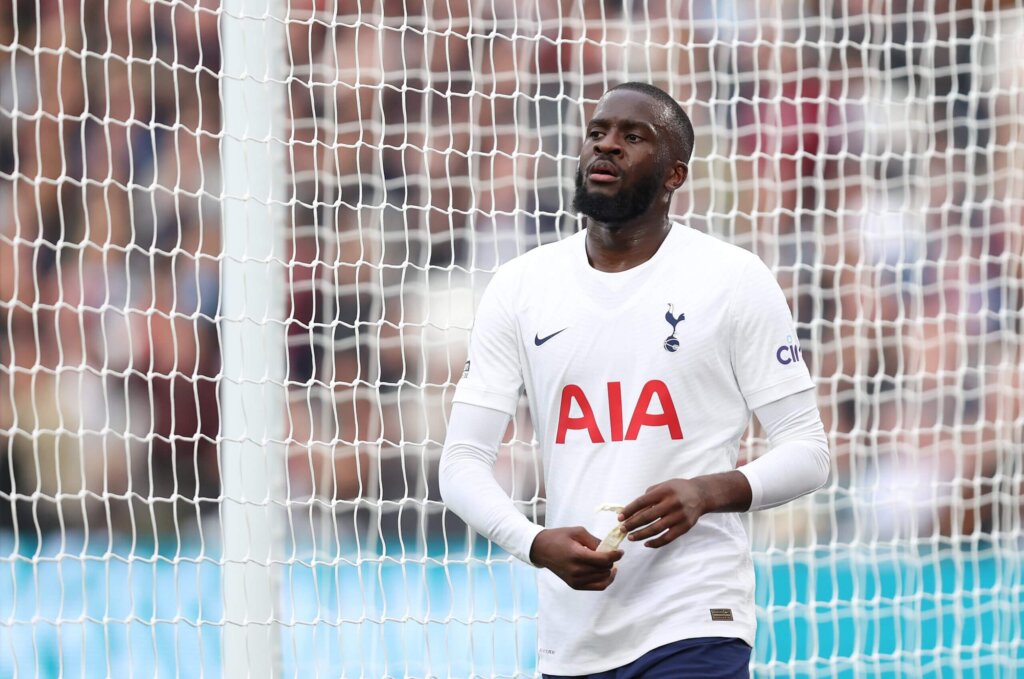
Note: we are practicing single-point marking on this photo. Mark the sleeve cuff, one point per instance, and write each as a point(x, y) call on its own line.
point(472, 395)
point(787, 387)
point(530, 533)
point(756, 490)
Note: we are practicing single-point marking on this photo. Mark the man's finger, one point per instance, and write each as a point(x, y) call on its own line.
point(644, 517)
point(595, 577)
point(642, 502)
point(598, 584)
point(668, 536)
point(585, 538)
point(590, 557)
point(656, 528)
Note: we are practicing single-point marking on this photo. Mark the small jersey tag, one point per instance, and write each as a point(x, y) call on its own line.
point(721, 614)
point(465, 370)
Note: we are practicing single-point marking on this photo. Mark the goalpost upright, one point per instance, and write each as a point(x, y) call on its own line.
point(252, 332)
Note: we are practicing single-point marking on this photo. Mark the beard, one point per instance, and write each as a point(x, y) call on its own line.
point(628, 203)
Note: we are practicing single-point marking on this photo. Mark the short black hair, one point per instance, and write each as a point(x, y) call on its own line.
point(679, 122)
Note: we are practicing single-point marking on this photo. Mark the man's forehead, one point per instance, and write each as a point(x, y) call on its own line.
point(630, 105)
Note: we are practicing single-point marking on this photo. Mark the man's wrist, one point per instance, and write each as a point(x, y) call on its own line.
point(531, 551)
point(724, 492)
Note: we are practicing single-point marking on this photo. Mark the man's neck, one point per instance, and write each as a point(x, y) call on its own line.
point(622, 246)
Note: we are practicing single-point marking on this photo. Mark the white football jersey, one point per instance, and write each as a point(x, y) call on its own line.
point(635, 378)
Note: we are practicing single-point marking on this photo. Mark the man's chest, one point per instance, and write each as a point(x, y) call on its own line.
point(675, 334)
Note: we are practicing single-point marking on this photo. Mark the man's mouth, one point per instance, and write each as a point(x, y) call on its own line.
point(603, 171)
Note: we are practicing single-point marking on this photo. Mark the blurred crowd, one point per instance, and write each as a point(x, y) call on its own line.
point(870, 152)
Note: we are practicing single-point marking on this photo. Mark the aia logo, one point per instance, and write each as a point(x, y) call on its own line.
point(788, 352)
point(642, 415)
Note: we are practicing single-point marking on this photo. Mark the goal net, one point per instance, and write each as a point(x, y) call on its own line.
point(241, 244)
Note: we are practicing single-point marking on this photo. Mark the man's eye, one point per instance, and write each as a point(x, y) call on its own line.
point(632, 138)
point(595, 134)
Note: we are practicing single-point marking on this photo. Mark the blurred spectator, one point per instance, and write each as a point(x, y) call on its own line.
point(109, 257)
point(873, 158)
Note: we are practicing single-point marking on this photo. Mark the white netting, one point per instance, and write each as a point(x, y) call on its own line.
point(292, 215)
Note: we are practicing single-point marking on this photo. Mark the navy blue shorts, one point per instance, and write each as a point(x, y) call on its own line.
point(703, 658)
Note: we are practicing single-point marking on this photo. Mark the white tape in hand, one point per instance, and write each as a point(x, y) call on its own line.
point(616, 535)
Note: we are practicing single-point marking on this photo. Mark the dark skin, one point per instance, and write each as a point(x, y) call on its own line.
point(628, 129)
point(628, 141)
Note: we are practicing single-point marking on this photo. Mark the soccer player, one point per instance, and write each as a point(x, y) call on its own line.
point(643, 346)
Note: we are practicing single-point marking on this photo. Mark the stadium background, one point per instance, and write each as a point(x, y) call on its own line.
point(868, 150)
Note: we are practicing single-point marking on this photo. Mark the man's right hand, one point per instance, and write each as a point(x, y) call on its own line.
point(570, 553)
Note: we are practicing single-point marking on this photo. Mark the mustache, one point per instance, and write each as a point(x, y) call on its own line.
point(603, 157)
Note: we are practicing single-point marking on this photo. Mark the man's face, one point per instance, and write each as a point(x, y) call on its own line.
point(624, 160)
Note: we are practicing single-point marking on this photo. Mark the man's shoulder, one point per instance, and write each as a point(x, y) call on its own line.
point(715, 251)
point(542, 258)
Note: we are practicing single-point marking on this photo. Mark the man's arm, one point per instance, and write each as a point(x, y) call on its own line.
point(796, 463)
point(470, 490)
point(467, 480)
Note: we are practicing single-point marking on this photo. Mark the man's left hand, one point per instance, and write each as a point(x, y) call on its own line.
point(667, 510)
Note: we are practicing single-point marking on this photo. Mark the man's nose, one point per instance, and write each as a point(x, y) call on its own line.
point(609, 144)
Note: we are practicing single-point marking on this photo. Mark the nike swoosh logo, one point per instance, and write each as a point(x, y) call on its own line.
point(538, 340)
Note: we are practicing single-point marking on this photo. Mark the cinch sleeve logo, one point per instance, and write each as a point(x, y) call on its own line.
point(788, 352)
point(574, 400)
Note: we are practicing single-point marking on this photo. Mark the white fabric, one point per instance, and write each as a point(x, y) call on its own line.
point(636, 414)
point(797, 461)
point(467, 479)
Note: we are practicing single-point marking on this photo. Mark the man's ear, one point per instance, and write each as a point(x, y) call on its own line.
point(677, 177)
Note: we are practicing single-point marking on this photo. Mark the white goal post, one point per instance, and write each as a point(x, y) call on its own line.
point(252, 333)
point(241, 245)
